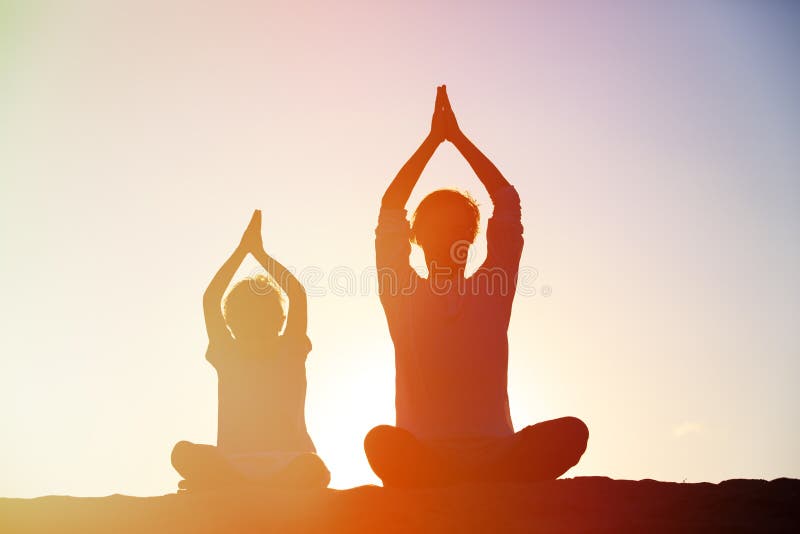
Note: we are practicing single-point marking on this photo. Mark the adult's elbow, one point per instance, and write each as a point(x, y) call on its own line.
point(506, 194)
point(390, 201)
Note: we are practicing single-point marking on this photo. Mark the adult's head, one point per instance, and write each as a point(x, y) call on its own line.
point(445, 225)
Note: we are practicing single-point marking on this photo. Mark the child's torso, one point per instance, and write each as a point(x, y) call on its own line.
point(262, 402)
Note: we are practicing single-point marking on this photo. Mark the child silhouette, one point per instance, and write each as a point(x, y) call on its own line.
point(261, 434)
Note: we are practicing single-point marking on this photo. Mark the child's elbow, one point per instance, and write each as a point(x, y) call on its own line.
point(210, 300)
point(297, 293)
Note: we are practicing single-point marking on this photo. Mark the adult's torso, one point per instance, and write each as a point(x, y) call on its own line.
point(451, 354)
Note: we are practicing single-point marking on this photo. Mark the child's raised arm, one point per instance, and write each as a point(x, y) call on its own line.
point(212, 298)
point(297, 318)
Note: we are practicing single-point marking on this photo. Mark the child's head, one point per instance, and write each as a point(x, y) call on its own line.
point(445, 224)
point(253, 309)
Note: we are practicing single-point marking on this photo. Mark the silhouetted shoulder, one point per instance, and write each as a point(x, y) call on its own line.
point(393, 231)
point(295, 345)
point(218, 351)
point(392, 251)
point(507, 206)
point(504, 239)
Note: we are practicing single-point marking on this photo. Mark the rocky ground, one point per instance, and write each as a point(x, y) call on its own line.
point(585, 504)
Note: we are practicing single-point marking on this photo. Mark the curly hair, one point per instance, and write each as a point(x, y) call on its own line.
point(458, 208)
point(254, 303)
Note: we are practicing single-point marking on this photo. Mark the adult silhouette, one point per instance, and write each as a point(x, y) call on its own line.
point(450, 334)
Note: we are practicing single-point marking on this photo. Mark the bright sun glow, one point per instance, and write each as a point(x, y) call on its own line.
point(660, 208)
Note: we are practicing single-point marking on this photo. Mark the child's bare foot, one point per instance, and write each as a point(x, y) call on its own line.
point(305, 471)
point(206, 484)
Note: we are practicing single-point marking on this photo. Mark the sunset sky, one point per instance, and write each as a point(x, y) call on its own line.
point(655, 149)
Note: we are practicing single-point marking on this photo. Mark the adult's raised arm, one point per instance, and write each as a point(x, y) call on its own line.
point(489, 175)
point(504, 231)
point(399, 191)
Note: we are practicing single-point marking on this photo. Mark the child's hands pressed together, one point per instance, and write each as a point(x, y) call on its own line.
point(251, 239)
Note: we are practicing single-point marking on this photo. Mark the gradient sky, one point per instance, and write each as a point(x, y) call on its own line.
point(655, 149)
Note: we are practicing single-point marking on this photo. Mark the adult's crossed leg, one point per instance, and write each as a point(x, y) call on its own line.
point(543, 451)
point(401, 460)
